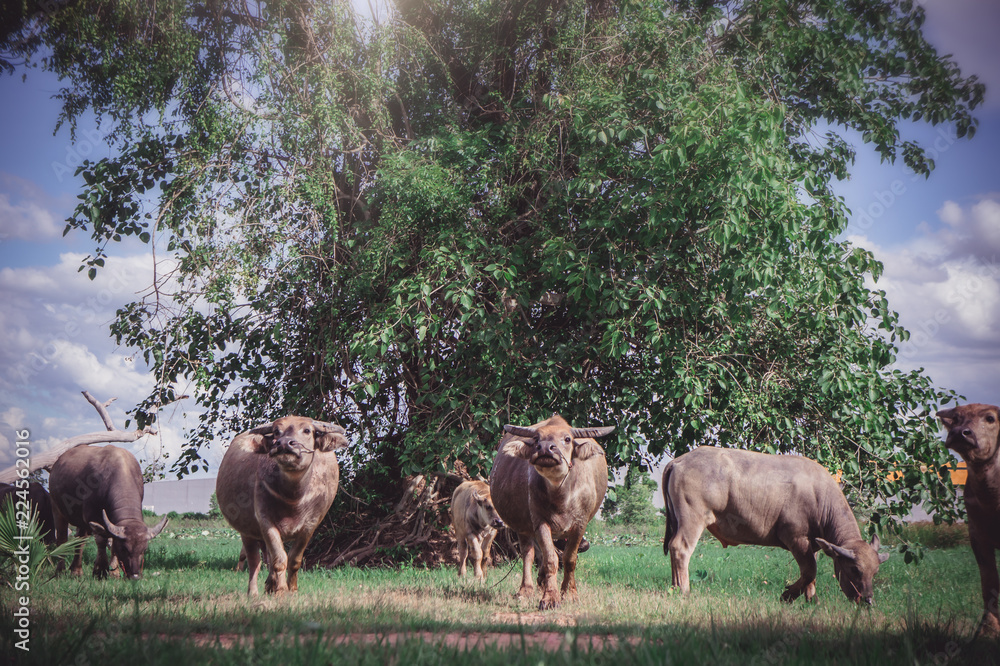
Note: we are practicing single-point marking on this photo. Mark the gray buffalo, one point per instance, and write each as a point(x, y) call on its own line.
point(34, 496)
point(276, 483)
point(99, 489)
point(744, 497)
point(475, 521)
point(974, 434)
point(548, 481)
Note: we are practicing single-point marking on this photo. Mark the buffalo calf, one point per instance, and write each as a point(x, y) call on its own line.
point(974, 434)
point(744, 497)
point(475, 521)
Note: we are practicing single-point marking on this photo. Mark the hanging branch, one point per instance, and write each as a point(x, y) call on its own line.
point(48, 458)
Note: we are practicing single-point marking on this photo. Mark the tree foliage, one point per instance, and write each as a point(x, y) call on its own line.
point(473, 212)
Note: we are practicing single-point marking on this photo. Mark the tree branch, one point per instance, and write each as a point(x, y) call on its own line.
point(48, 458)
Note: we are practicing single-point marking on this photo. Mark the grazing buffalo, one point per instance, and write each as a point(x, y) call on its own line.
point(475, 521)
point(547, 483)
point(974, 434)
point(276, 483)
point(791, 502)
point(98, 489)
point(36, 497)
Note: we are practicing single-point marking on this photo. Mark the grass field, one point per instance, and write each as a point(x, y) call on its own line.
point(191, 607)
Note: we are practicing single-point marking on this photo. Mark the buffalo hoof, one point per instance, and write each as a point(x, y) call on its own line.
point(548, 604)
point(990, 626)
point(525, 593)
point(789, 595)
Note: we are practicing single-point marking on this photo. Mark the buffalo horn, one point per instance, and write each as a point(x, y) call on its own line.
point(579, 433)
point(115, 530)
point(521, 431)
point(329, 427)
point(153, 531)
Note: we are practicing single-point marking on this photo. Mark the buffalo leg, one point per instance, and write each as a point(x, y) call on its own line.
point(477, 557)
point(806, 559)
point(550, 568)
point(463, 554)
point(681, 546)
point(101, 563)
point(487, 547)
point(251, 550)
point(295, 562)
point(527, 545)
point(276, 581)
point(569, 566)
point(986, 559)
point(61, 528)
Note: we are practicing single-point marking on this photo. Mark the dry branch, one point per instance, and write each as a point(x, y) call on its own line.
point(48, 458)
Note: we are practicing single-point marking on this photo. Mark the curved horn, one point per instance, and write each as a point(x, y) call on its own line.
point(153, 531)
point(329, 427)
point(521, 431)
point(115, 530)
point(579, 433)
point(263, 429)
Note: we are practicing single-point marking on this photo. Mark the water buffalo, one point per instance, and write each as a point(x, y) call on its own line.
point(36, 497)
point(98, 489)
point(974, 434)
point(547, 482)
point(791, 502)
point(276, 483)
point(475, 521)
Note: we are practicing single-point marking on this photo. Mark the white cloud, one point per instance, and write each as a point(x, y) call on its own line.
point(27, 212)
point(54, 322)
point(946, 287)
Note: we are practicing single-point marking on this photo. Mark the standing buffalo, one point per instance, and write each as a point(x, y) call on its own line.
point(276, 483)
point(791, 502)
point(974, 434)
point(547, 483)
point(475, 521)
point(99, 489)
point(36, 497)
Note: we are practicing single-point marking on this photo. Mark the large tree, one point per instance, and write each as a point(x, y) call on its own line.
point(472, 212)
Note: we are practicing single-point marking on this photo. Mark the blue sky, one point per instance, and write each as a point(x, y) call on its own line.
point(938, 238)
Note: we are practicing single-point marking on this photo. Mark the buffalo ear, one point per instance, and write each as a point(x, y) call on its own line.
point(261, 443)
point(517, 449)
point(584, 449)
point(835, 551)
point(99, 529)
point(330, 441)
point(947, 417)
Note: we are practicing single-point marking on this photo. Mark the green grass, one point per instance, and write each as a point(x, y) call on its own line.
point(191, 606)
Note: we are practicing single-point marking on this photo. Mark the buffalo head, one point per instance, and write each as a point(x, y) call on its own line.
point(552, 448)
point(486, 509)
point(129, 541)
point(973, 431)
point(291, 440)
point(854, 566)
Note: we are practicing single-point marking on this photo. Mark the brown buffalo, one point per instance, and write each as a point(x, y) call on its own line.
point(35, 497)
point(974, 434)
point(547, 483)
point(791, 502)
point(276, 483)
point(99, 490)
point(475, 521)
